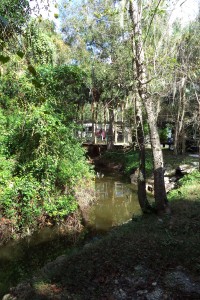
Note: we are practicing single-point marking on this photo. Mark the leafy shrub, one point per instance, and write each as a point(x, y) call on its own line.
point(41, 160)
point(190, 178)
point(48, 148)
point(6, 170)
point(21, 201)
point(130, 160)
point(189, 188)
point(48, 162)
point(60, 206)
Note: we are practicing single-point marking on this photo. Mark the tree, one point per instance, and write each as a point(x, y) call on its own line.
point(135, 10)
point(13, 15)
point(107, 40)
point(98, 45)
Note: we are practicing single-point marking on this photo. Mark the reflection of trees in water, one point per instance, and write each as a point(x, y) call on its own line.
point(116, 204)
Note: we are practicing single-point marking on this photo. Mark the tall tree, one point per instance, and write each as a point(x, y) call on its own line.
point(135, 10)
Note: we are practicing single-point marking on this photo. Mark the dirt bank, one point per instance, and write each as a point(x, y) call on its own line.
point(149, 258)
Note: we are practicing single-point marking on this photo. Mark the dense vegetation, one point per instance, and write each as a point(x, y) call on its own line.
point(42, 162)
point(102, 68)
point(124, 68)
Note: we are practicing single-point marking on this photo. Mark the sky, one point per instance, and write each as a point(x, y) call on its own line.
point(184, 10)
point(46, 8)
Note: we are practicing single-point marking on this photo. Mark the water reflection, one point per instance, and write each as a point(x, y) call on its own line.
point(116, 203)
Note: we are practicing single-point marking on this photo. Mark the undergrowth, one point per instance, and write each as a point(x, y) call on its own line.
point(130, 160)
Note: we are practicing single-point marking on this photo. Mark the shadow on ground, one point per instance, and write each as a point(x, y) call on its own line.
point(152, 257)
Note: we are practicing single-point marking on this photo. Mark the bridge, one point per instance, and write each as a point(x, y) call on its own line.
point(99, 134)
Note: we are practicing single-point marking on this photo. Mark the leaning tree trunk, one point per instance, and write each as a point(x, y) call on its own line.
point(142, 195)
point(142, 87)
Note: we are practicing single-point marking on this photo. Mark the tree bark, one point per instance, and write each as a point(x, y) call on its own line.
point(142, 88)
point(179, 130)
point(110, 137)
point(142, 195)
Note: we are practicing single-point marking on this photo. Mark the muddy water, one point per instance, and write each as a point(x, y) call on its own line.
point(116, 203)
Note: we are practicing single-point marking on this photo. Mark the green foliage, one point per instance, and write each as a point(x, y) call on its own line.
point(40, 47)
point(20, 201)
point(190, 178)
point(163, 133)
point(46, 166)
point(48, 148)
point(24, 200)
point(41, 160)
point(4, 59)
point(3, 135)
point(6, 170)
point(130, 160)
point(66, 83)
point(13, 15)
point(188, 188)
point(60, 206)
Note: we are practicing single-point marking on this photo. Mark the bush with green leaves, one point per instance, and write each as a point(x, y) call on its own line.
point(25, 199)
point(60, 206)
point(21, 202)
point(130, 160)
point(47, 163)
point(46, 148)
point(13, 16)
point(188, 188)
point(42, 161)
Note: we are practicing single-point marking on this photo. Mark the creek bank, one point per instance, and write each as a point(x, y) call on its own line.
point(146, 259)
point(172, 172)
point(171, 176)
point(84, 194)
point(141, 284)
point(107, 166)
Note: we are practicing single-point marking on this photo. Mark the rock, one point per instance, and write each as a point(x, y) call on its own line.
point(142, 292)
point(173, 179)
point(141, 270)
point(154, 283)
point(8, 297)
point(52, 269)
point(195, 164)
point(120, 295)
point(169, 185)
point(182, 282)
point(157, 294)
point(169, 171)
point(186, 169)
point(134, 176)
point(150, 185)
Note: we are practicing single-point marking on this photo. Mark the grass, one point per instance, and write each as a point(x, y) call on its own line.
point(148, 244)
point(130, 158)
point(189, 188)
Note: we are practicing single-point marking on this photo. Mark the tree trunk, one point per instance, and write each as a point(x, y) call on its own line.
point(142, 196)
point(110, 137)
point(142, 87)
point(94, 138)
point(180, 117)
point(159, 183)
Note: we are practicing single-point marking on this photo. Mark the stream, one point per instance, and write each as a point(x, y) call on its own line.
point(116, 203)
